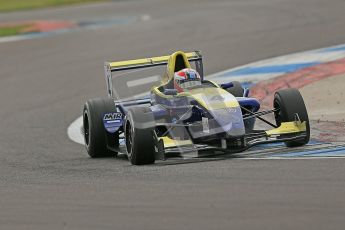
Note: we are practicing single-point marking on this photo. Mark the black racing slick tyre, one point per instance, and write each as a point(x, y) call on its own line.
point(288, 103)
point(139, 128)
point(236, 90)
point(98, 141)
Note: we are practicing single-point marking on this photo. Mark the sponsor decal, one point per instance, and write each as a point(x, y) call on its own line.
point(112, 121)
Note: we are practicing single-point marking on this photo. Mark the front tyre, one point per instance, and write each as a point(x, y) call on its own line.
point(139, 128)
point(98, 141)
point(288, 103)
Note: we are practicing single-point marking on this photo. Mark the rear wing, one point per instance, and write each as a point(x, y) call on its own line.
point(110, 67)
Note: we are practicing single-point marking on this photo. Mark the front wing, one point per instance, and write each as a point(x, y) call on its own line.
point(287, 131)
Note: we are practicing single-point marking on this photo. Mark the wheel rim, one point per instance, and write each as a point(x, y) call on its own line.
point(129, 138)
point(277, 114)
point(86, 129)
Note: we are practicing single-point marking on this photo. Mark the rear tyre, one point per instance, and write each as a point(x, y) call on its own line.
point(139, 136)
point(98, 140)
point(237, 89)
point(289, 102)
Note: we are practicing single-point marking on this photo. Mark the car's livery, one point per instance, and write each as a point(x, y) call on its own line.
point(207, 118)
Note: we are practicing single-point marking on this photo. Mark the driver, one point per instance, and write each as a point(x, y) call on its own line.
point(186, 79)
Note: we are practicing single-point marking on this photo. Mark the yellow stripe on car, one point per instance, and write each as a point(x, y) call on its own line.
point(222, 98)
point(168, 142)
point(152, 60)
point(288, 127)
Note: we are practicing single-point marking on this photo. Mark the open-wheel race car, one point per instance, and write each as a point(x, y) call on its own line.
point(183, 113)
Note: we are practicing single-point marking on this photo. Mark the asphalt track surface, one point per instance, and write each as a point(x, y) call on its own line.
point(48, 182)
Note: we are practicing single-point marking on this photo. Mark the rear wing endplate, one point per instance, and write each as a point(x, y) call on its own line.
point(110, 67)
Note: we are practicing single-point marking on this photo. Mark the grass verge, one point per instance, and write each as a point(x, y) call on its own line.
point(13, 5)
point(11, 30)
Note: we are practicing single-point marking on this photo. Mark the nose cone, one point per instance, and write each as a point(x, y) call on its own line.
point(230, 120)
point(223, 107)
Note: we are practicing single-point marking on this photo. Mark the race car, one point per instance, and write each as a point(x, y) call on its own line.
point(185, 113)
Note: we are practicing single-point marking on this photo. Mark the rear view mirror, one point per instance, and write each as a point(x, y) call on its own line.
point(227, 85)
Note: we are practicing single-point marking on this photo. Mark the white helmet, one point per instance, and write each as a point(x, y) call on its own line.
point(186, 78)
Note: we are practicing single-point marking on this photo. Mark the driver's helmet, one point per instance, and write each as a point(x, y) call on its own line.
point(185, 79)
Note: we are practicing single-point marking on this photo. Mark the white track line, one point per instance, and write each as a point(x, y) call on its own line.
point(244, 78)
point(288, 158)
point(322, 55)
point(74, 131)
